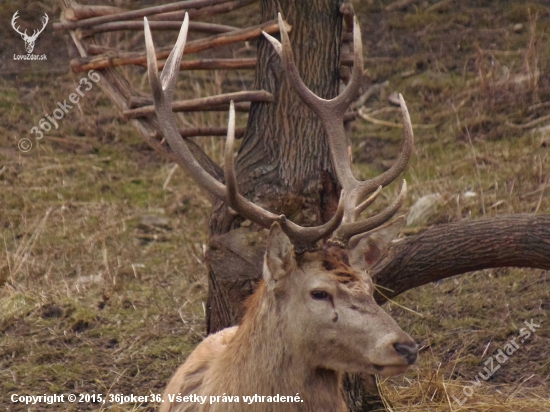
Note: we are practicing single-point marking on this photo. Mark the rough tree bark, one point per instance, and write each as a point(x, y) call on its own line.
point(284, 162)
point(447, 250)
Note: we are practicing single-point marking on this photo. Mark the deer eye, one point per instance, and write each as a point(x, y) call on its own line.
point(320, 295)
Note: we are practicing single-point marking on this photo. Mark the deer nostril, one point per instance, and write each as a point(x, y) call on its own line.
point(408, 351)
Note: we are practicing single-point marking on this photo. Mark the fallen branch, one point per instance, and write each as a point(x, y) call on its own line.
point(373, 89)
point(137, 101)
point(216, 64)
point(136, 14)
point(202, 64)
point(203, 103)
point(346, 59)
point(80, 12)
point(140, 58)
point(205, 131)
point(154, 25)
point(204, 11)
point(529, 124)
point(119, 90)
point(451, 249)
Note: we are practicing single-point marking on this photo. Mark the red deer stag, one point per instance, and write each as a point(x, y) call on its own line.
point(313, 317)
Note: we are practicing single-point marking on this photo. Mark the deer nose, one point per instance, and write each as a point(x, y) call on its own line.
point(408, 351)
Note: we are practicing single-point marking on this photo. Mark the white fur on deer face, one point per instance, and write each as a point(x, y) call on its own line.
point(328, 309)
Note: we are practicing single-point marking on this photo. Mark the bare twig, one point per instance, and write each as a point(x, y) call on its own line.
point(529, 124)
point(365, 116)
point(169, 177)
point(206, 131)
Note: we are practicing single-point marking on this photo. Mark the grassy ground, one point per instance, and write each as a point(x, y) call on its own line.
point(102, 280)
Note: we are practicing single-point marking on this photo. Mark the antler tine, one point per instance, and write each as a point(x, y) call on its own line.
point(285, 52)
point(366, 203)
point(347, 230)
point(169, 74)
point(337, 106)
point(163, 108)
point(353, 89)
point(399, 166)
point(302, 237)
point(152, 68)
point(233, 199)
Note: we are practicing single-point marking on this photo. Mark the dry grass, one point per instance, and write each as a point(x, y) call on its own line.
point(102, 276)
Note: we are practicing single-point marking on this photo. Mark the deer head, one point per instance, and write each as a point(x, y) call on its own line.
point(29, 40)
point(324, 300)
point(322, 293)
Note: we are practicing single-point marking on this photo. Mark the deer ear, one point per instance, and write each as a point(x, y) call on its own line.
point(367, 248)
point(279, 256)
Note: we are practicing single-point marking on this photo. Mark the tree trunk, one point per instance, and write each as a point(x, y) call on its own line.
point(284, 162)
point(448, 250)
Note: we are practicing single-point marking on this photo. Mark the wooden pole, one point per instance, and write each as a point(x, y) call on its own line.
point(136, 14)
point(205, 131)
point(140, 101)
point(204, 103)
point(140, 58)
point(80, 12)
point(154, 25)
point(204, 11)
point(216, 64)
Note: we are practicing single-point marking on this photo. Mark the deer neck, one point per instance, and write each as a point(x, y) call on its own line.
point(261, 360)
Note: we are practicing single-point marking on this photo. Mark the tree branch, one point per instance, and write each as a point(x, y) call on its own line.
point(154, 25)
point(136, 14)
point(447, 250)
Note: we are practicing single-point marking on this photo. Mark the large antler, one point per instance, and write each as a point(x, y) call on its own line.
point(163, 89)
point(331, 113)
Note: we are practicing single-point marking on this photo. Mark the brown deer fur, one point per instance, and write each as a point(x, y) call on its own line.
point(290, 343)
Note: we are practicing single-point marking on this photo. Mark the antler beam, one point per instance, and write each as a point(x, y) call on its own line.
point(163, 90)
point(331, 113)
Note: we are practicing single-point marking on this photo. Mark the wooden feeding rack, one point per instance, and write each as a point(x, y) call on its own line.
point(86, 23)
